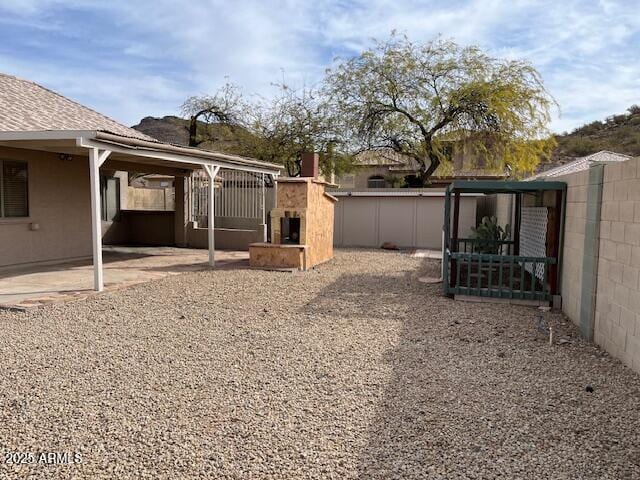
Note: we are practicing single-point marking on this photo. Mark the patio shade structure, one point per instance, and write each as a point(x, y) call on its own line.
point(512, 267)
point(100, 146)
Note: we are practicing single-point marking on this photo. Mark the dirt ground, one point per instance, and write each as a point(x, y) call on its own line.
point(353, 370)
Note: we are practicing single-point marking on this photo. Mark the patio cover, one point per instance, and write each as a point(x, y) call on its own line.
point(36, 118)
point(99, 145)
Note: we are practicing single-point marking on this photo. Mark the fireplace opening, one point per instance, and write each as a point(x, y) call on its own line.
point(290, 230)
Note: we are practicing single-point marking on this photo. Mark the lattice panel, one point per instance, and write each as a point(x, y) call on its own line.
point(533, 236)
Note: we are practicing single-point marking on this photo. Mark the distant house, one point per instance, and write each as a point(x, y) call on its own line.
point(388, 169)
point(582, 163)
point(153, 180)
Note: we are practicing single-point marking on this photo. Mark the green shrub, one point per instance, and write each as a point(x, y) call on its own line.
point(488, 229)
point(394, 181)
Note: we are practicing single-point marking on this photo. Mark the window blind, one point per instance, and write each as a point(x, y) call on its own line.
point(15, 197)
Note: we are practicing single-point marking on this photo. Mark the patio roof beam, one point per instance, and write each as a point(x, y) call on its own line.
point(500, 186)
point(97, 157)
point(168, 156)
point(135, 147)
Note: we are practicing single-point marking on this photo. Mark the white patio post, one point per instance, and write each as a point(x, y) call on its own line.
point(212, 171)
point(96, 159)
point(264, 210)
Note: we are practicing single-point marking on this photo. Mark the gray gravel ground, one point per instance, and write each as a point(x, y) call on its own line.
point(354, 370)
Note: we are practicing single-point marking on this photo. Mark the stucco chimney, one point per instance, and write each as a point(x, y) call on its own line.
point(310, 165)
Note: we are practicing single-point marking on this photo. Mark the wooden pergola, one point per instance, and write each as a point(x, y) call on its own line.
point(496, 267)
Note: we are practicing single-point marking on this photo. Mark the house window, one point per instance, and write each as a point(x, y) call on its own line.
point(14, 189)
point(376, 181)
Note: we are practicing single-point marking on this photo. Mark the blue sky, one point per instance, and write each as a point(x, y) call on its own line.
point(133, 58)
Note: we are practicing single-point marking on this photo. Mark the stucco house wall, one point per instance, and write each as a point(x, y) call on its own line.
point(58, 227)
point(362, 175)
point(59, 222)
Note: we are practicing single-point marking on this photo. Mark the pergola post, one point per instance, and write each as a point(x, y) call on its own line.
point(454, 245)
point(211, 171)
point(516, 227)
point(445, 240)
point(96, 159)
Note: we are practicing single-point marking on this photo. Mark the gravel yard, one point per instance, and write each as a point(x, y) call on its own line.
point(354, 370)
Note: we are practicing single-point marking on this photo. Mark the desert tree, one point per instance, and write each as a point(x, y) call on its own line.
point(225, 108)
point(277, 129)
point(418, 99)
point(294, 122)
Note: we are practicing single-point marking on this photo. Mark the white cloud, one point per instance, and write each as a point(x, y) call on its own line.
point(162, 51)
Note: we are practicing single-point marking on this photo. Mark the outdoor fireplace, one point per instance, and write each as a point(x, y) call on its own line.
point(290, 229)
point(301, 223)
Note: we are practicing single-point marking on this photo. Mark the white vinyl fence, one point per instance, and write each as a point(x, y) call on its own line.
point(407, 218)
point(241, 195)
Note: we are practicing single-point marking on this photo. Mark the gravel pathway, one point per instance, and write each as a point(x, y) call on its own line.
point(354, 370)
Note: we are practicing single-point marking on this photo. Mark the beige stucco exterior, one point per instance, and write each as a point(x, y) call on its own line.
point(59, 222)
point(361, 176)
point(387, 164)
point(58, 227)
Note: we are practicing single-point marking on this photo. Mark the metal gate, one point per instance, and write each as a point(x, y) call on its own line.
point(242, 195)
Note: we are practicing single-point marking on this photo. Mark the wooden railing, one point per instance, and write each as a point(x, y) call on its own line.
point(477, 245)
point(498, 276)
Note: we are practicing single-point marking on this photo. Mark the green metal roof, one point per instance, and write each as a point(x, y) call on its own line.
point(504, 186)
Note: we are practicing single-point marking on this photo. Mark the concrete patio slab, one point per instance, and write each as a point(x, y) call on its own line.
point(123, 266)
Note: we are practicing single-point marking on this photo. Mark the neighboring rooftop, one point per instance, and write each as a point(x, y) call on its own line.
point(27, 106)
point(380, 158)
point(582, 163)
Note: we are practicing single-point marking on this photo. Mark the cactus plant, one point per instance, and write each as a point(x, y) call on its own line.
point(488, 229)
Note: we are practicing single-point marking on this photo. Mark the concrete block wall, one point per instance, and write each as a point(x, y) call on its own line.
point(617, 324)
point(574, 236)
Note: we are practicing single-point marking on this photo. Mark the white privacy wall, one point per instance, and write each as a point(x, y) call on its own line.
point(404, 219)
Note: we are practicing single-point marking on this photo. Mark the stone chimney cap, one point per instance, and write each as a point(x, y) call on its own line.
point(310, 165)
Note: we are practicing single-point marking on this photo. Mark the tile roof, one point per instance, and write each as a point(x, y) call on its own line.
point(380, 158)
point(26, 106)
point(582, 163)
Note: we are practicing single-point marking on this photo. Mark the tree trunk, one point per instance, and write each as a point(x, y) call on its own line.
point(434, 163)
point(293, 168)
point(193, 131)
point(426, 173)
